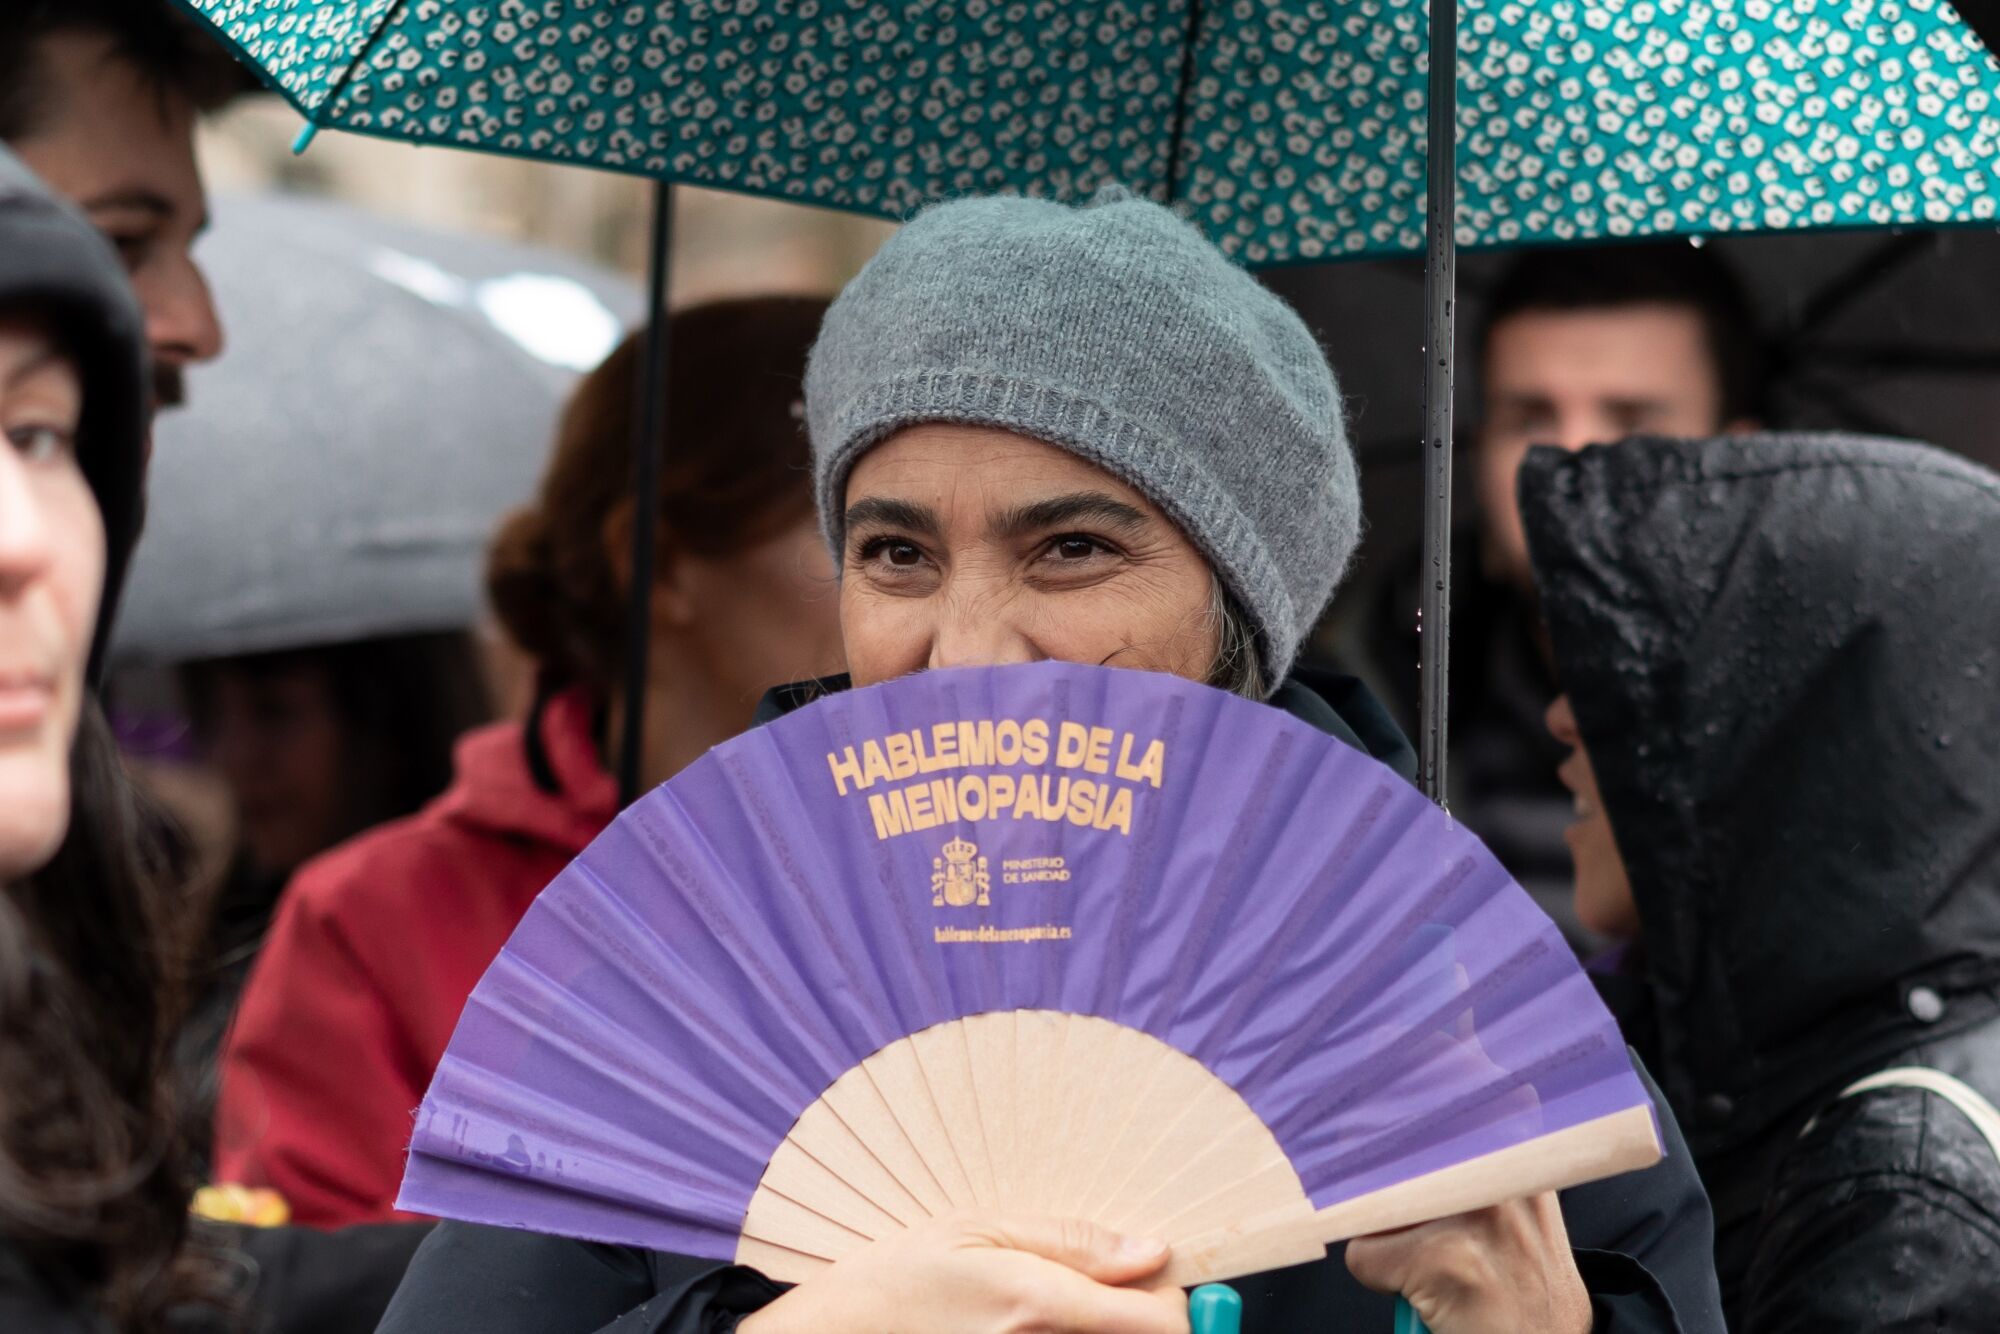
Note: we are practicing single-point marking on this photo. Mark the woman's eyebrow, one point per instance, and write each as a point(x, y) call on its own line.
point(883, 512)
point(1058, 511)
point(42, 360)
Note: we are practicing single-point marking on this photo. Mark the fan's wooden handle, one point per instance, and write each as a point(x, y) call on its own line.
point(1621, 1142)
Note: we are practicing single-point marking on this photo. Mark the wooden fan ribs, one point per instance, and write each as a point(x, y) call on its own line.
point(747, 1027)
point(859, 1109)
point(1157, 1145)
point(915, 1115)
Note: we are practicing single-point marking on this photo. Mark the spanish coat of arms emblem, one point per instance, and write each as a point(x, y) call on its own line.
point(959, 877)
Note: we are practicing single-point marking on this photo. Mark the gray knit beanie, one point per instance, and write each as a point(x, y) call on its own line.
point(1117, 332)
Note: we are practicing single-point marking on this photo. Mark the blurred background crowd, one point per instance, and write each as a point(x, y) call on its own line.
point(371, 641)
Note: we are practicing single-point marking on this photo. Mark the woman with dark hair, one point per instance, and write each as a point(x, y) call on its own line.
point(321, 741)
point(378, 943)
point(94, 1226)
point(92, 1206)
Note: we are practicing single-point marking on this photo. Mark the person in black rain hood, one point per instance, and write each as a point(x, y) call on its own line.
point(94, 1227)
point(1781, 659)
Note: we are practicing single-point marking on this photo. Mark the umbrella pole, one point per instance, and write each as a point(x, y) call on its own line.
point(1440, 316)
point(647, 449)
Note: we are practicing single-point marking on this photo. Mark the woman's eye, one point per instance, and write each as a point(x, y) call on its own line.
point(1074, 547)
point(41, 444)
point(893, 551)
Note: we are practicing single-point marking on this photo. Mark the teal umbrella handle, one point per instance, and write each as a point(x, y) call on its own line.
point(1215, 1308)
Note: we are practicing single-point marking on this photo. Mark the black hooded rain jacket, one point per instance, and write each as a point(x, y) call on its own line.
point(1784, 658)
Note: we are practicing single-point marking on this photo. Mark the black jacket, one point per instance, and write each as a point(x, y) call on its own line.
point(302, 1280)
point(1784, 657)
point(28, 1305)
point(286, 1280)
point(1642, 1240)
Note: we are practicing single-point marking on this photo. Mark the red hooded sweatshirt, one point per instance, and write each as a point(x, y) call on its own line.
point(373, 952)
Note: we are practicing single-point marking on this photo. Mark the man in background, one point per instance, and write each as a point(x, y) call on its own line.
point(99, 98)
point(1588, 347)
point(1576, 347)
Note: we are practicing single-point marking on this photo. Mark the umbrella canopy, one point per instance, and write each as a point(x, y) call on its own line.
point(1292, 131)
point(388, 393)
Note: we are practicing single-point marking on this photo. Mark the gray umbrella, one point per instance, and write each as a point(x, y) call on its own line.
point(387, 393)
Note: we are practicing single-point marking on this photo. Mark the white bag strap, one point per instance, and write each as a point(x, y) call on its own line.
point(1985, 1117)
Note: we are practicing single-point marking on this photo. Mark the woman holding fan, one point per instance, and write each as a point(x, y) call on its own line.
point(1044, 433)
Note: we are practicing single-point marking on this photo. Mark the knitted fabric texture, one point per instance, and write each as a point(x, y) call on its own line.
point(1114, 331)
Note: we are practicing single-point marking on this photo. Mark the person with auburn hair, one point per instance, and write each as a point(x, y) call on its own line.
point(379, 941)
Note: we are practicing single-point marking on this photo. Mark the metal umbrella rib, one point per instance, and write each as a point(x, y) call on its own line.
point(1440, 315)
point(646, 462)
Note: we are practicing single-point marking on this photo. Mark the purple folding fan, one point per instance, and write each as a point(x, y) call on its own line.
point(1074, 940)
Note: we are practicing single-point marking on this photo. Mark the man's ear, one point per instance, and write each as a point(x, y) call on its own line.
point(673, 601)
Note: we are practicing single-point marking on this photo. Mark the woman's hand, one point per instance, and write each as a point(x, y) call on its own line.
point(1495, 1271)
point(986, 1273)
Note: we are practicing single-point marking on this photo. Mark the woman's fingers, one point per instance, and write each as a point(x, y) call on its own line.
point(1068, 1303)
point(1095, 1252)
point(1087, 1294)
point(1499, 1269)
point(987, 1273)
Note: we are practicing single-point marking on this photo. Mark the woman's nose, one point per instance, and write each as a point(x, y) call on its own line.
point(24, 529)
point(974, 633)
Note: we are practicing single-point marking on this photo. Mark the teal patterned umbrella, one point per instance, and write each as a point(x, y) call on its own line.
point(1293, 130)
